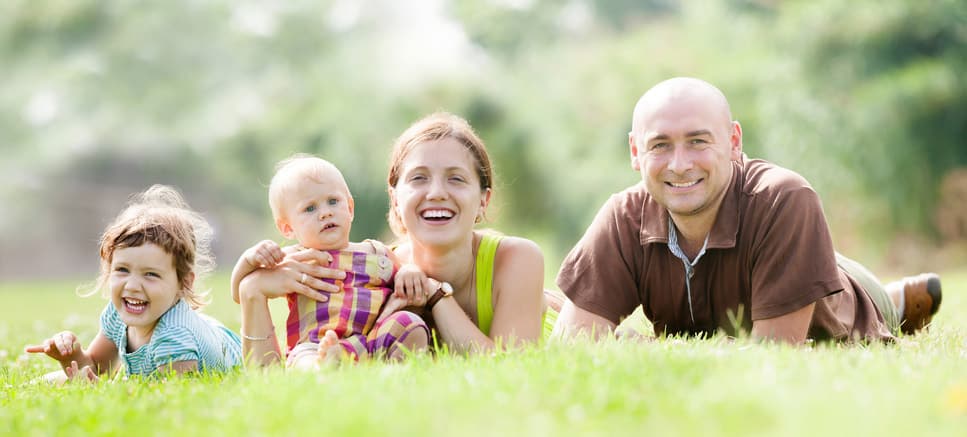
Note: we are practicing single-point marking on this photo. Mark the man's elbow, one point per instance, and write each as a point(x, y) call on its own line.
point(577, 322)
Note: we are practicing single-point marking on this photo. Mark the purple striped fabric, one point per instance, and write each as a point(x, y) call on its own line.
point(350, 312)
point(387, 337)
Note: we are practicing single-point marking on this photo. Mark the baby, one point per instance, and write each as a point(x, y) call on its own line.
point(311, 204)
point(151, 256)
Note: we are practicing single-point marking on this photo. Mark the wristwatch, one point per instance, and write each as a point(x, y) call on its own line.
point(444, 290)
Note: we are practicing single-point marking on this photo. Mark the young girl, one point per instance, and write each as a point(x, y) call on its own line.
point(311, 204)
point(150, 257)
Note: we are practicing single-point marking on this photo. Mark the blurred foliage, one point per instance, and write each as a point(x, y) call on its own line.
point(100, 99)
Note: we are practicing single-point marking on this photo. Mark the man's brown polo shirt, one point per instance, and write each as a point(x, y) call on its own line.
point(769, 253)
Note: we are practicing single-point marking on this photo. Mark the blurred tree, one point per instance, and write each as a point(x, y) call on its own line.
point(99, 99)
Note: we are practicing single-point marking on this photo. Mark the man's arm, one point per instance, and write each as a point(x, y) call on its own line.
point(574, 321)
point(790, 328)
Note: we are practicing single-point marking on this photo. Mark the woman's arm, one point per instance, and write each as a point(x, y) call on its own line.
point(518, 292)
point(295, 274)
point(518, 302)
point(259, 343)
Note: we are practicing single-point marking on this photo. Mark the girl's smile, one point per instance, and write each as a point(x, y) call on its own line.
point(144, 285)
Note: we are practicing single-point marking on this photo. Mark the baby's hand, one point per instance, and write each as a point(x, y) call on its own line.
point(392, 305)
point(62, 347)
point(412, 285)
point(266, 254)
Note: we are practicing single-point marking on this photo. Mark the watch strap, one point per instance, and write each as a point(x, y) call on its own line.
point(434, 299)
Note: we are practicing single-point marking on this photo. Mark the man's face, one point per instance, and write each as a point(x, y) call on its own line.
point(683, 146)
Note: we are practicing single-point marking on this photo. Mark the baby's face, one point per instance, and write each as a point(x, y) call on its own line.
point(318, 213)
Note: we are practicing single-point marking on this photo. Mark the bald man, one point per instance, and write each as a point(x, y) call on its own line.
point(711, 240)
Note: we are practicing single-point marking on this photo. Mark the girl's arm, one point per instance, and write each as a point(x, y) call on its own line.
point(100, 357)
point(518, 302)
point(179, 367)
point(103, 354)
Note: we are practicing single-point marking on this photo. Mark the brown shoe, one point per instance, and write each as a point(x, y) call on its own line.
point(921, 298)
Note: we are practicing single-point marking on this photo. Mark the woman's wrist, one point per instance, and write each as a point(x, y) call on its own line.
point(248, 292)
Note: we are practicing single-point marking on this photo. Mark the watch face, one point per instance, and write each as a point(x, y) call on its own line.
point(447, 288)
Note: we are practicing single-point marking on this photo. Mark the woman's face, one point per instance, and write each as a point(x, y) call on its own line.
point(438, 195)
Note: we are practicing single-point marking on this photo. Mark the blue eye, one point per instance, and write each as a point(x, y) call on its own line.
point(310, 208)
point(333, 202)
point(153, 274)
point(659, 146)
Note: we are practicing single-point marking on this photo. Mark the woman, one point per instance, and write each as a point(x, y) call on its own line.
point(440, 183)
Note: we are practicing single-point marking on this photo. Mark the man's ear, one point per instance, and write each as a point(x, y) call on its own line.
point(735, 141)
point(284, 228)
point(634, 152)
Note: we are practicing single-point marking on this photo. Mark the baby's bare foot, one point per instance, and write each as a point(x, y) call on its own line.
point(330, 352)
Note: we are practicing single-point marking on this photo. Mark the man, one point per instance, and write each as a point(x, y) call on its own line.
point(712, 240)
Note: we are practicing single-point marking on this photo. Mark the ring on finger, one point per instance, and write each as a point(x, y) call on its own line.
point(303, 279)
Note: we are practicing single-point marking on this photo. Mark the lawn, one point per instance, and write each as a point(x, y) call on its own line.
point(668, 387)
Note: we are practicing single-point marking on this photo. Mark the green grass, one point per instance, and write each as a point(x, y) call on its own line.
point(669, 387)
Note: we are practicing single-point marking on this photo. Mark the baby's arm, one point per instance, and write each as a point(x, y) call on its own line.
point(265, 254)
point(411, 289)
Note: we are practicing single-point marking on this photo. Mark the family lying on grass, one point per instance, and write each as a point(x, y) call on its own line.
point(709, 241)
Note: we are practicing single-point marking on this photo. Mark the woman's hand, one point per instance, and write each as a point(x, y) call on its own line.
point(300, 272)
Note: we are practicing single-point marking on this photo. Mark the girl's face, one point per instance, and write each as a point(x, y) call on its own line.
point(144, 284)
point(438, 195)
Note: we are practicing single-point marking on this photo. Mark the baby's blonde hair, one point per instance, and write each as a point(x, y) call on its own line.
point(290, 171)
point(161, 216)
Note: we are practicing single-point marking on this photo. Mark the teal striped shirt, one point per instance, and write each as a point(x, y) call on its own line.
point(181, 335)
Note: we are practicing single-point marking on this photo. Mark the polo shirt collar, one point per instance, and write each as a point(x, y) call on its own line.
point(655, 219)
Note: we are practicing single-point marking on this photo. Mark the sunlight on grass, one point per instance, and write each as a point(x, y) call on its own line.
point(674, 386)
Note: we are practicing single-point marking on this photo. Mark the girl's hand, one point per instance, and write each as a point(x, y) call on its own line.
point(85, 374)
point(62, 347)
point(266, 254)
point(413, 286)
